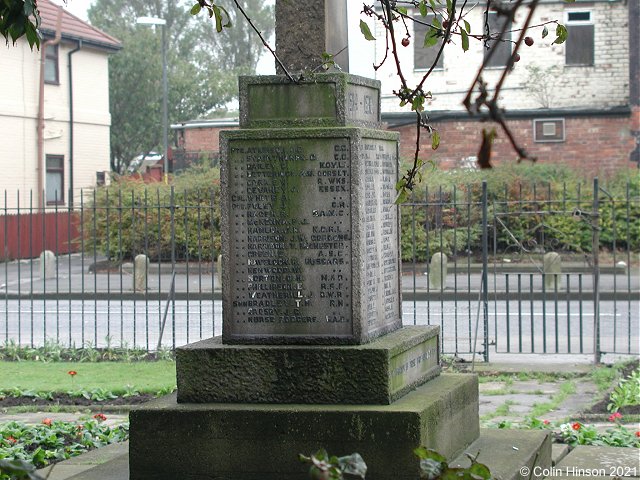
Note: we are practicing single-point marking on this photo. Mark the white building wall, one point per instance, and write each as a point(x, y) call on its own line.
point(19, 82)
point(600, 86)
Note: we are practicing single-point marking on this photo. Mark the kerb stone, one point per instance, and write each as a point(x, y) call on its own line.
point(375, 373)
point(258, 442)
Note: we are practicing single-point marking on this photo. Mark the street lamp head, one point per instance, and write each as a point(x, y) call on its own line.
point(151, 21)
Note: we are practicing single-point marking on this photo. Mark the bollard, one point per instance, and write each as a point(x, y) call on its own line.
point(438, 271)
point(47, 264)
point(141, 271)
point(552, 267)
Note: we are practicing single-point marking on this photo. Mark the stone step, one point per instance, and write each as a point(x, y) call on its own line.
point(378, 372)
point(172, 440)
point(510, 454)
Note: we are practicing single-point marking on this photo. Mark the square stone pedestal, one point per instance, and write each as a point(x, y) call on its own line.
point(374, 373)
point(171, 440)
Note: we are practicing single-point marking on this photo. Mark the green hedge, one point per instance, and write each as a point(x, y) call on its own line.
point(530, 208)
point(130, 217)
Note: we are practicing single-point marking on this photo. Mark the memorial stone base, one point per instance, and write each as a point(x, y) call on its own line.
point(171, 440)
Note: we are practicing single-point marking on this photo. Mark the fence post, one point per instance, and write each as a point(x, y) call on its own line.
point(595, 251)
point(485, 269)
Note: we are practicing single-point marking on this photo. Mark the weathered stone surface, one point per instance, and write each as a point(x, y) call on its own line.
point(141, 269)
point(310, 236)
point(511, 454)
point(600, 462)
point(307, 30)
point(552, 268)
point(251, 442)
point(48, 264)
point(375, 373)
point(321, 100)
point(438, 271)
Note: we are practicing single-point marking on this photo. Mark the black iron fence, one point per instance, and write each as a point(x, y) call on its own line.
point(521, 269)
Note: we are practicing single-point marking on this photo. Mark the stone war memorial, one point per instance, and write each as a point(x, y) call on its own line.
point(313, 353)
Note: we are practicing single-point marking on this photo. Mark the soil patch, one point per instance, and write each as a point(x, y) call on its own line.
point(601, 406)
point(64, 399)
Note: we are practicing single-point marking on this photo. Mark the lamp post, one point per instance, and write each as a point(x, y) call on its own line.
point(165, 141)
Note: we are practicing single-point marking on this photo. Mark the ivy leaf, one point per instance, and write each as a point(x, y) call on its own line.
point(435, 140)
point(465, 40)
point(422, 6)
point(561, 34)
point(364, 28)
point(467, 26)
point(196, 9)
point(545, 31)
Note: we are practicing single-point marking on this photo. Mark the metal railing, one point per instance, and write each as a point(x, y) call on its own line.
point(495, 294)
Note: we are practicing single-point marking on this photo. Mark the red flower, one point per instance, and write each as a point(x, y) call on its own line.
point(73, 373)
point(546, 422)
point(13, 440)
point(47, 422)
point(576, 426)
point(100, 416)
point(638, 434)
point(615, 416)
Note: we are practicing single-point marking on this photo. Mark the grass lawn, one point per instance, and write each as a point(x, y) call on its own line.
point(53, 377)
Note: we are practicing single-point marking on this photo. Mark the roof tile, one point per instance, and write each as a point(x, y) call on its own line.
point(73, 27)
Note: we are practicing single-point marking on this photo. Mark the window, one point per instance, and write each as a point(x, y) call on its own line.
point(55, 179)
point(423, 57)
point(502, 53)
point(579, 49)
point(51, 65)
point(548, 130)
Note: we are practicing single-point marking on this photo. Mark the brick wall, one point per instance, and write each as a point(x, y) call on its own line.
point(205, 139)
point(593, 145)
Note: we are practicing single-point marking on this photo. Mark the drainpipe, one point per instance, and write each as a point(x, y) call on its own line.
point(70, 63)
point(634, 76)
point(40, 159)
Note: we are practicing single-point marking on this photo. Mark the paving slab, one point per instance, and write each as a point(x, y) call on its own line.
point(87, 463)
point(510, 454)
point(604, 461)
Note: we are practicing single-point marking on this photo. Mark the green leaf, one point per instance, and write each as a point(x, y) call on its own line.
point(465, 39)
point(403, 10)
point(402, 197)
point(364, 28)
point(449, 6)
point(569, 1)
point(561, 34)
point(433, 4)
point(545, 31)
point(436, 23)
point(479, 470)
point(467, 26)
point(435, 139)
point(196, 9)
point(218, 14)
point(418, 103)
point(422, 6)
point(228, 24)
point(431, 37)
